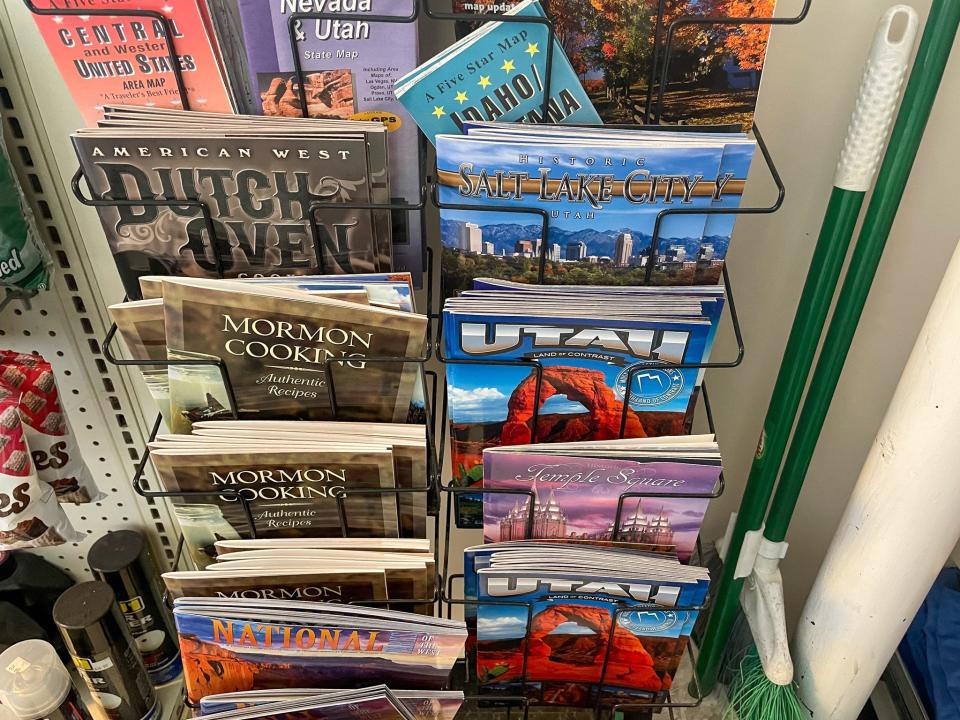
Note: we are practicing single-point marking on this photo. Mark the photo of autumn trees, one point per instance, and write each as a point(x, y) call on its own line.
point(714, 70)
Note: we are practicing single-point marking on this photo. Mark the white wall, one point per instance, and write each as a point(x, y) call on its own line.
point(809, 85)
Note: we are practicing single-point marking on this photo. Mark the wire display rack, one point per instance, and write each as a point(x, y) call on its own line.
point(444, 598)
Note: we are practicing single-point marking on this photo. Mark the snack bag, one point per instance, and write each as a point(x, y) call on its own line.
point(24, 262)
point(53, 446)
point(30, 515)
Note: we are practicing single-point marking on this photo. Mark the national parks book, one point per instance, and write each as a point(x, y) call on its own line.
point(422, 704)
point(235, 644)
point(275, 344)
point(126, 58)
point(714, 73)
point(260, 180)
point(369, 703)
point(498, 72)
point(599, 193)
point(349, 66)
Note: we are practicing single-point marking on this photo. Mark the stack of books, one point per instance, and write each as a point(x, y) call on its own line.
point(577, 624)
point(418, 704)
point(315, 570)
point(600, 191)
point(279, 193)
point(283, 341)
point(233, 645)
point(576, 363)
point(290, 480)
point(635, 491)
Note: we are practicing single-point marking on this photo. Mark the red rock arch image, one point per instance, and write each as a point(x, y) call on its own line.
point(587, 387)
point(580, 657)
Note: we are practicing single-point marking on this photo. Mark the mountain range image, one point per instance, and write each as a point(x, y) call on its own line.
point(504, 237)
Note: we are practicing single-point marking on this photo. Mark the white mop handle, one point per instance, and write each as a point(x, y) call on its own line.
point(882, 78)
point(898, 530)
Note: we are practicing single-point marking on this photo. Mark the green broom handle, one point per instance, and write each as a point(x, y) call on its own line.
point(918, 99)
point(876, 104)
point(839, 222)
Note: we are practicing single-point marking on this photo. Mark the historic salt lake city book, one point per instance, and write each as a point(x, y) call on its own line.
point(599, 192)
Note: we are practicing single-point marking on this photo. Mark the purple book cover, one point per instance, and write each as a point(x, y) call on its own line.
point(577, 497)
point(349, 68)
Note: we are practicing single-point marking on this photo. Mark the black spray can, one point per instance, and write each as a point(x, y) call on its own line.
point(123, 560)
point(103, 650)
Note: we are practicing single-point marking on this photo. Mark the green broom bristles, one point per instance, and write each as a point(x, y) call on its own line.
point(752, 696)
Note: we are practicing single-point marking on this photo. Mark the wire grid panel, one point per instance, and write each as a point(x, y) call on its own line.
point(105, 404)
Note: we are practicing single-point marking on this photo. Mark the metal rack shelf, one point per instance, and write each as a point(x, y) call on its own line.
point(444, 599)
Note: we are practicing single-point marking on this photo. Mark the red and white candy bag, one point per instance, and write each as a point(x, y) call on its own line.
point(30, 515)
point(53, 446)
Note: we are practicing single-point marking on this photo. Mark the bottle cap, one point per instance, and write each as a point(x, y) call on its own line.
point(33, 681)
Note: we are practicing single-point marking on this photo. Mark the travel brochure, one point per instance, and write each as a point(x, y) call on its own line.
point(580, 625)
point(577, 490)
point(599, 192)
point(422, 704)
point(552, 364)
point(237, 644)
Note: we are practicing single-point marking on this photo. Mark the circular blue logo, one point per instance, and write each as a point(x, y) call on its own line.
point(650, 387)
point(647, 623)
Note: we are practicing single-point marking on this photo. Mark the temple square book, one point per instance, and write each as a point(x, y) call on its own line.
point(422, 704)
point(348, 68)
point(598, 192)
point(498, 72)
point(714, 73)
point(235, 644)
point(580, 625)
point(125, 58)
point(548, 364)
point(274, 193)
point(578, 488)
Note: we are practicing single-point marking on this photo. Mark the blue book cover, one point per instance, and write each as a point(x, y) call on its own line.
point(601, 197)
point(582, 387)
point(497, 73)
point(566, 636)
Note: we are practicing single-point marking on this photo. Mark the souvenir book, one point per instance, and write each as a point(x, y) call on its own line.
point(587, 626)
point(370, 703)
point(565, 361)
point(232, 645)
point(275, 190)
point(349, 66)
point(126, 58)
point(498, 72)
point(275, 344)
point(407, 442)
point(714, 73)
point(599, 193)
point(577, 489)
point(408, 579)
point(394, 545)
point(290, 490)
point(422, 704)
